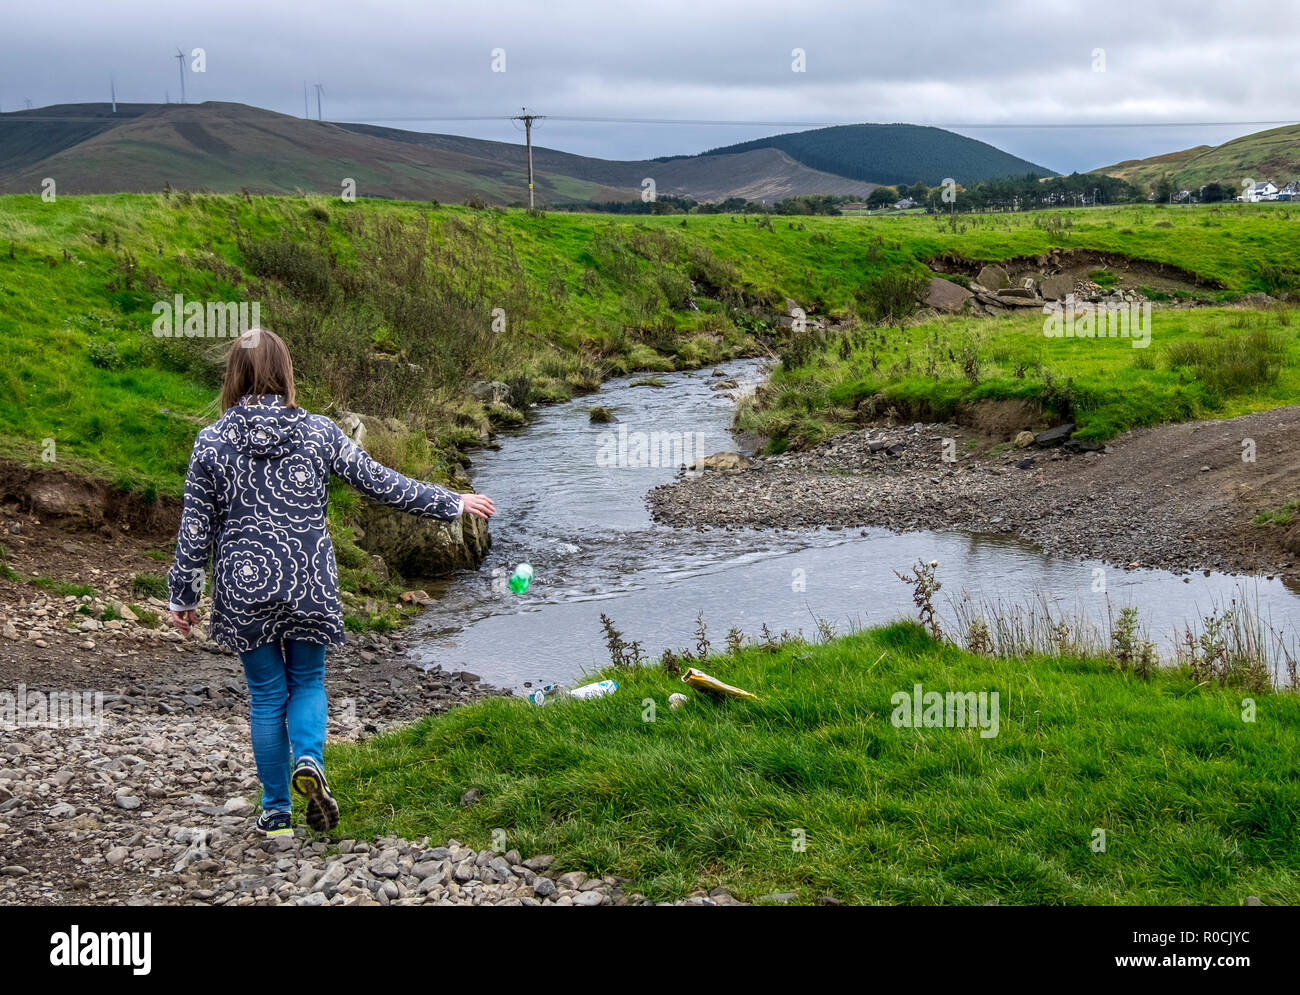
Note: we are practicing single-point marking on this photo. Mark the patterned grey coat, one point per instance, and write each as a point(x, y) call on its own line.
point(255, 498)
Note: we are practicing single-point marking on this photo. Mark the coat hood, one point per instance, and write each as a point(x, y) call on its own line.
point(262, 427)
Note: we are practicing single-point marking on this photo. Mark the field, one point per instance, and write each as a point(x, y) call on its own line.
point(359, 287)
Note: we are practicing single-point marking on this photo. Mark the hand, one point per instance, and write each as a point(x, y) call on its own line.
point(478, 504)
point(183, 620)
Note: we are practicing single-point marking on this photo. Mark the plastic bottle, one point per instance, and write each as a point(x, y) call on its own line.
point(594, 690)
point(521, 578)
point(540, 696)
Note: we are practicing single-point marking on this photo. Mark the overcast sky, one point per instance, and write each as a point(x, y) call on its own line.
point(1028, 63)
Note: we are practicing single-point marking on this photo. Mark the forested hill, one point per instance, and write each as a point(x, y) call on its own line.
point(893, 153)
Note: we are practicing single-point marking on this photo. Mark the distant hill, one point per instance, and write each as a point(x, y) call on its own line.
point(225, 147)
point(893, 153)
point(1265, 155)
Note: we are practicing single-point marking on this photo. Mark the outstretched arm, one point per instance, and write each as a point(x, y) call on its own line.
point(378, 482)
point(193, 542)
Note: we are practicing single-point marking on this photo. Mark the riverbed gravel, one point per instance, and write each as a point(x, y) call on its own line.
point(1178, 497)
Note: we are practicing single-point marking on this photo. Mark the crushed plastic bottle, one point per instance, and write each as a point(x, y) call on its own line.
point(521, 578)
point(540, 696)
point(594, 690)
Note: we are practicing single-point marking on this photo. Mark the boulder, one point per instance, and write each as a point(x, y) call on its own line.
point(1056, 288)
point(491, 391)
point(422, 547)
point(1054, 436)
point(1017, 298)
point(993, 277)
point(721, 461)
point(1024, 440)
point(944, 295)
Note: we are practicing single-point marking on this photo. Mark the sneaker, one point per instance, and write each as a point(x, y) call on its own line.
point(275, 824)
point(322, 809)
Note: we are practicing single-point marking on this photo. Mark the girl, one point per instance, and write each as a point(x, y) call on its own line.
point(255, 498)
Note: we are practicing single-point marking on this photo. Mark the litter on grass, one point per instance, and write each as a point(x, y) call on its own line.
point(701, 681)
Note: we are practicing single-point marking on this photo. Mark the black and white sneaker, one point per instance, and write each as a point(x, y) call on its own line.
point(273, 824)
point(322, 809)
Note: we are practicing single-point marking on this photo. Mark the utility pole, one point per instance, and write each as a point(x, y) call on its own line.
point(305, 112)
point(319, 88)
point(528, 120)
point(180, 64)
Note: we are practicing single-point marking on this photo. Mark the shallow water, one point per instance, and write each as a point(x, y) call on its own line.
point(584, 527)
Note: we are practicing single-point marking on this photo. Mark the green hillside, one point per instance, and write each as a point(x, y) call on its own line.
point(1266, 155)
point(893, 153)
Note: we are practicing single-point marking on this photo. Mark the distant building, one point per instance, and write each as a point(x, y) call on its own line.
point(1182, 196)
point(1256, 192)
point(1290, 192)
point(905, 203)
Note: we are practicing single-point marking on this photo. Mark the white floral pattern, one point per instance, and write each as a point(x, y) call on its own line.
point(255, 499)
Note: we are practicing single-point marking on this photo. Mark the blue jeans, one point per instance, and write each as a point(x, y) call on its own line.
point(286, 690)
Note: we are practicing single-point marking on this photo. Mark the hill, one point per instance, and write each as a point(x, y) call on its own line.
point(893, 153)
point(224, 147)
point(1265, 155)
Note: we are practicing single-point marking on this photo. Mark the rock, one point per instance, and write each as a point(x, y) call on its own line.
point(574, 879)
point(727, 384)
point(314, 898)
point(589, 899)
point(420, 597)
point(128, 802)
point(1056, 288)
point(62, 811)
point(1022, 293)
point(116, 855)
point(1253, 900)
point(780, 896)
point(539, 863)
point(993, 277)
point(353, 426)
point(1054, 436)
point(491, 391)
point(544, 888)
point(944, 295)
point(1024, 440)
point(471, 797)
point(727, 460)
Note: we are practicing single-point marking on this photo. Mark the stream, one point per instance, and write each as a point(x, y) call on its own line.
point(583, 525)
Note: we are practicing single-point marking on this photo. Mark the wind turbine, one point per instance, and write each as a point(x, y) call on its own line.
point(180, 64)
point(319, 90)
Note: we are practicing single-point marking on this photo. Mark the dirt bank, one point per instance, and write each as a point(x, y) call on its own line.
point(1178, 497)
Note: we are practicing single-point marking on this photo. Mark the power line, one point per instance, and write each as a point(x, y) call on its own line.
point(719, 122)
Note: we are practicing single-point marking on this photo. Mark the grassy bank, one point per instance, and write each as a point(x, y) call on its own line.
point(1198, 363)
point(1197, 805)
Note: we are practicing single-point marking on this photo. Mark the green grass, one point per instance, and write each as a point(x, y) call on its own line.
point(62, 588)
point(1284, 515)
point(1197, 805)
point(1199, 363)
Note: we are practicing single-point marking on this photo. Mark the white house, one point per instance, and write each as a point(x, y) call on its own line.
point(1290, 192)
point(1259, 191)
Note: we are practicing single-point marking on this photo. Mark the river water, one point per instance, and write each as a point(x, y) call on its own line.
point(572, 507)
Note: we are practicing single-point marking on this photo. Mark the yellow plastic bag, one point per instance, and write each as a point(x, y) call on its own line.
point(701, 681)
